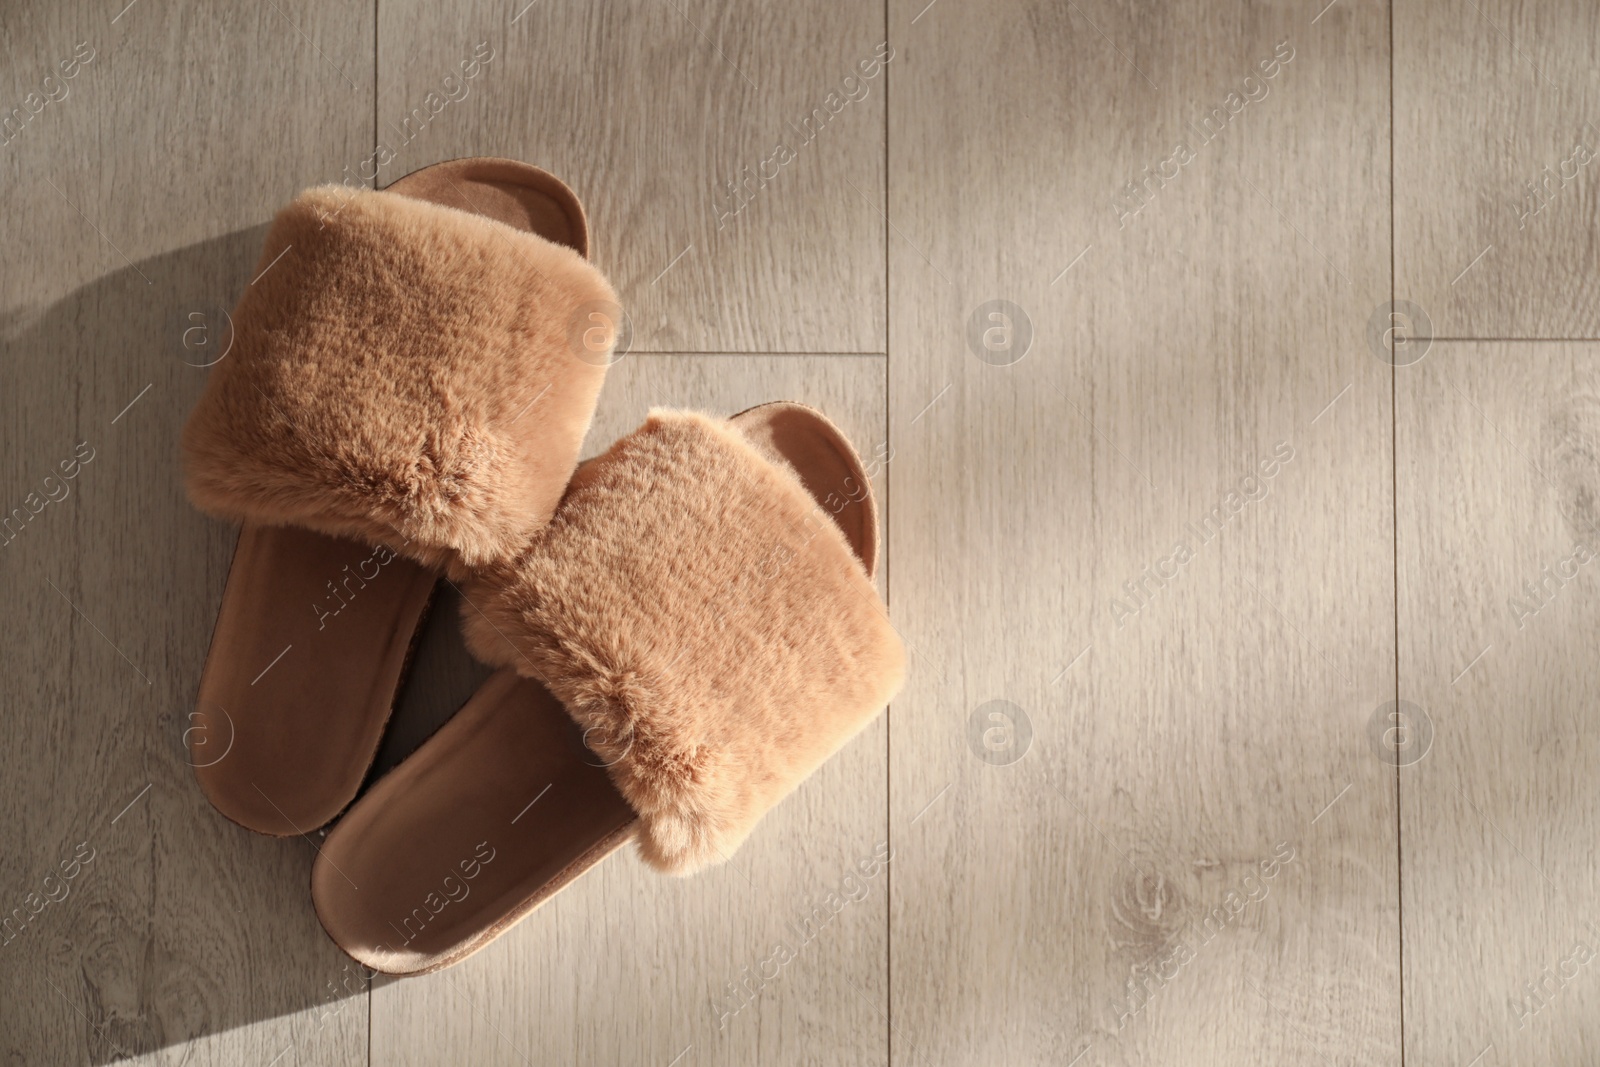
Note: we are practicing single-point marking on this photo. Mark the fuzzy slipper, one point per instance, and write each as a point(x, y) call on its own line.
point(407, 392)
point(690, 637)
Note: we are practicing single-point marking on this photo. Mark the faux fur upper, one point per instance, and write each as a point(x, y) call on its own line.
point(705, 621)
point(401, 372)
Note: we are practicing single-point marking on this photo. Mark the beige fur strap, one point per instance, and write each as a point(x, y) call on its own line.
point(403, 373)
point(704, 620)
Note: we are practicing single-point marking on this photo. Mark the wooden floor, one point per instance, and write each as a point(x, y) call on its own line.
point(1234, 366)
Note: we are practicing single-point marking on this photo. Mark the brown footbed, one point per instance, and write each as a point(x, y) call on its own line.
point(282, 745)
point(504, 806)
point(517, 194)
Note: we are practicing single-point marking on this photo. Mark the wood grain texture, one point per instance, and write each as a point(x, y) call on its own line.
point(1193, 250)
point(1051, 896)
point(648, 110)
point(1498, 604)
point(626, 966)
point(137, 198)
point(1497, 155)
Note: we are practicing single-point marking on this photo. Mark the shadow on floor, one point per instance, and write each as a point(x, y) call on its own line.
point(178, 926)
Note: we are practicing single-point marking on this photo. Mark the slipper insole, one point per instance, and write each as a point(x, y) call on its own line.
point(513, 193)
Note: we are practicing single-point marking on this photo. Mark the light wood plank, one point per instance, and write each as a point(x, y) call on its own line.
point(1498, 605)
point(648, 109)
point(626, 966)
point(1497, 166)
point(1177, 339)
point(1177, 746)
point(136, 199)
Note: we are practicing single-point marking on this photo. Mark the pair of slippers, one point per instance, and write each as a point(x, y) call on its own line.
point(686, 624)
